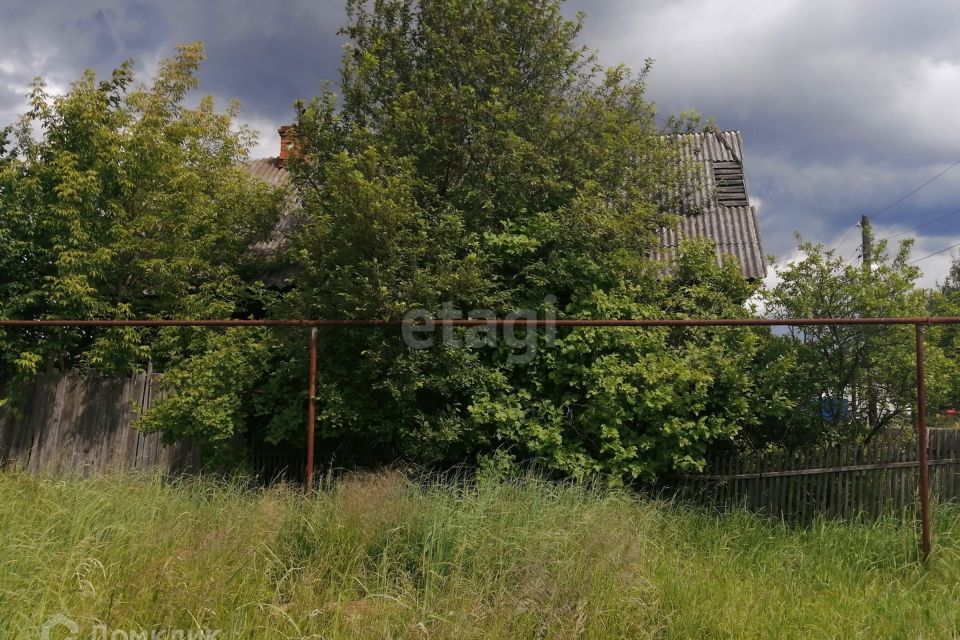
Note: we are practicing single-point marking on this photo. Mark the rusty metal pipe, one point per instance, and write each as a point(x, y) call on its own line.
point(311, 407)
point(922, 458)
point(500, 322)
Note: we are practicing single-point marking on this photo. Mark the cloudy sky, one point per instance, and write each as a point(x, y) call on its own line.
point(844, 105)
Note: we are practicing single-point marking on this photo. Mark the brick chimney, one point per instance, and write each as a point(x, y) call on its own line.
point(286, 135)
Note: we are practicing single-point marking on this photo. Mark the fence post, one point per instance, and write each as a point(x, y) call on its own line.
point(921, 422)
point(311, 407)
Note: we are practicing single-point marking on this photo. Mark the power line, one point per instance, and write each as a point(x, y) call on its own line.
point(925, 224)
point(935, 253)
point(895, 203)
point(907, 195)
point(864, 226)
point(844, 239)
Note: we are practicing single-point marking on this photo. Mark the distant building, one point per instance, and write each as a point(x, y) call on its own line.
point(720, 209)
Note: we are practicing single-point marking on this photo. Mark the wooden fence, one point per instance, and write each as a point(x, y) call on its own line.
point(846, 482)
point(78, 423)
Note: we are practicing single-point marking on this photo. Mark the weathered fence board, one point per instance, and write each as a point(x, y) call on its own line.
point(846, 482)
point(71, 422)
point(79, 423)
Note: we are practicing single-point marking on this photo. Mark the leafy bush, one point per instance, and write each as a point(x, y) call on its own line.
point(121, 202)
point(852, 382)
point(479, 159)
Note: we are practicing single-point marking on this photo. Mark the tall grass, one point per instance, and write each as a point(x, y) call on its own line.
point(380, 556)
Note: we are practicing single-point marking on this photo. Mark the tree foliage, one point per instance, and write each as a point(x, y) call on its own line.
point(479, 159)
point(945, 301)
point(120, 201)
point(851, 382)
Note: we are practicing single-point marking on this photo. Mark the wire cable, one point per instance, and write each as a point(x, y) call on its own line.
point(921, 226)
point(895, 203)
point(907, 195)
point(844, 239)
point(935, 253)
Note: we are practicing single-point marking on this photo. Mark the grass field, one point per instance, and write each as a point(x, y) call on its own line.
point(378, 556)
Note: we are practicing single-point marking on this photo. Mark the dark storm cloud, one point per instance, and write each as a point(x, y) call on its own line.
point(844, 104)
point(265, 54)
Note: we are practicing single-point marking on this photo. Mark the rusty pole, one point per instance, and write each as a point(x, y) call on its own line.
point(499, 322)
point(921, 421)
point(311, 407)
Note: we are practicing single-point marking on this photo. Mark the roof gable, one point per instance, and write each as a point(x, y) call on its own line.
point(720, 206)
point(719, 209)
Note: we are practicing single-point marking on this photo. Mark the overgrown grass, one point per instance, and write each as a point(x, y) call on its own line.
point(378, 556)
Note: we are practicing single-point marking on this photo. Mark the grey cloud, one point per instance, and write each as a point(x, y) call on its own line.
point(264, 54)
point(844, 104)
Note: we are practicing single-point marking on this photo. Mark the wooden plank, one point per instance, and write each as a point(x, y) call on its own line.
point(73, 422)
point(886, 479)
point(861, 494)
point(831, 484)
point(769, 488)
point(756, 492)
point(793, 483)
point(105, 405)
point(49, 438)
point(826, 458)
point(907, 497)
point(844, 480)
point(876, 485)
point(781, 482)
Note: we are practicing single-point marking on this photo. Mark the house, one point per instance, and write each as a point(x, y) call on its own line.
point(720, 209)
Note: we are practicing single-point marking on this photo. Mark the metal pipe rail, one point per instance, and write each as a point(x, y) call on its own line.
point(498, 322)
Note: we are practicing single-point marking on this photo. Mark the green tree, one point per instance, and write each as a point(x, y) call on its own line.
point(851, 382)
point(480, 159)
point(120, 201)
point(477, 159)
point(951, 284)
point(639, 402)
point(945, 301)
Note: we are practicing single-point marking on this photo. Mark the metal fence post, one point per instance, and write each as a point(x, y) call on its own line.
point(921, 422)
point(311, 407)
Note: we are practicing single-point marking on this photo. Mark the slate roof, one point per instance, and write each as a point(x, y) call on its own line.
point(268, 170)
point(720, 209)
point(272, 172)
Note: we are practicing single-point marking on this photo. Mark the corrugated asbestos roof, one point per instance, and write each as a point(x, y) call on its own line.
point(720, 207)
point(268, 170)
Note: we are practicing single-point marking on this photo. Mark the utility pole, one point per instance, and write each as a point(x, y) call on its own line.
point(866, 236)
